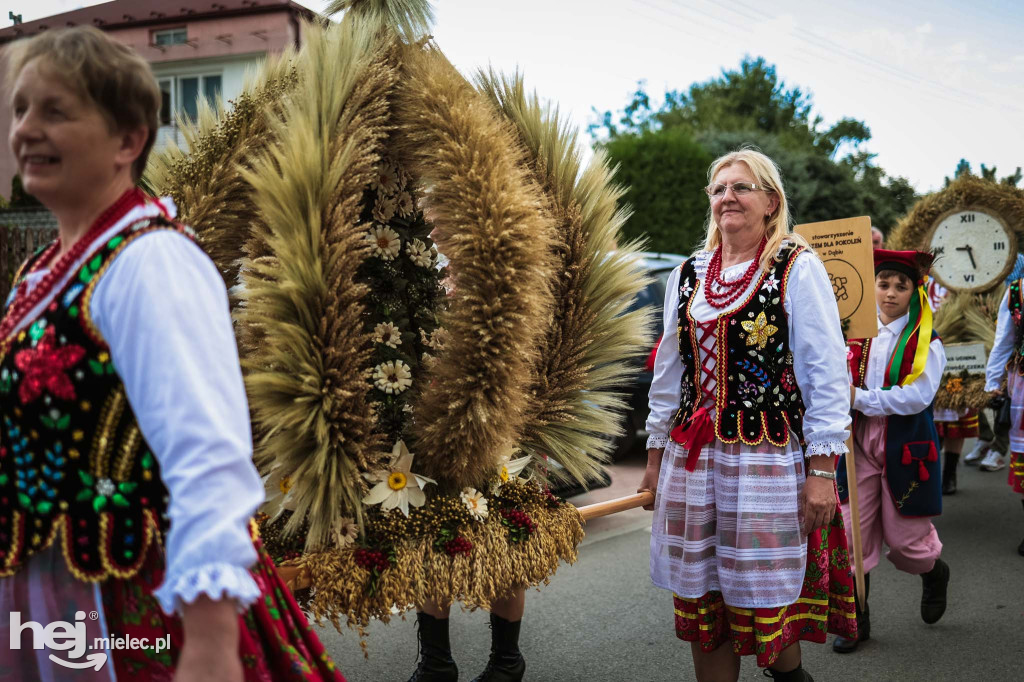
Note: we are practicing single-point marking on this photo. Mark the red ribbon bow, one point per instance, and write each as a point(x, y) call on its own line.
point(694, 433)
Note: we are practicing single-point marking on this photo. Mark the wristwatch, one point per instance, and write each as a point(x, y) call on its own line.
point(831, 475)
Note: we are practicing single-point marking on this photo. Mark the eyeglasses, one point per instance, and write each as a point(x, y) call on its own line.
point(741, 189)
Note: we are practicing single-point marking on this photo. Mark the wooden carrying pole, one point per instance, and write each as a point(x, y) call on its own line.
point(858, 551)
point(593, 511)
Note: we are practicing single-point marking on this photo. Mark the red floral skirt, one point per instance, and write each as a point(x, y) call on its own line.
point(276, 643)
point(825, 606)
point(1015, 476)
point(965, 427)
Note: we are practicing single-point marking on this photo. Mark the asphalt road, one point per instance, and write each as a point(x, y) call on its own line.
point(601, 619)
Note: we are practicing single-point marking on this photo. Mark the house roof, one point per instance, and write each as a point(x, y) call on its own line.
point(131, 13)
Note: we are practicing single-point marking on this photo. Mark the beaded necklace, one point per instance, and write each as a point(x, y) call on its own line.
point(729, 292)
point(22, 303)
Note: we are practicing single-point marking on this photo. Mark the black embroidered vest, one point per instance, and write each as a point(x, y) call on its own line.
point(756, 397)
point(74, 467)
point(1016, 303)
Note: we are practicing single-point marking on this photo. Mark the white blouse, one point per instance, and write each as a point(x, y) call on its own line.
point(1002, 347)
point(163, 310)
point(915, 397)
point(815, 337)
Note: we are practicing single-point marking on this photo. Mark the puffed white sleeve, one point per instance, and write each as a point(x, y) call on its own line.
point(163, 310)
point(1002, 347)
point(663, 398)
point(910, 399)
point(819, 356)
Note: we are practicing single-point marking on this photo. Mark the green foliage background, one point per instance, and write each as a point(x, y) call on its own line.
point(663, 155)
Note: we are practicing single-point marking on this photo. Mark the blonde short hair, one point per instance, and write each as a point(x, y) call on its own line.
point(766, 173)
point(102, 71)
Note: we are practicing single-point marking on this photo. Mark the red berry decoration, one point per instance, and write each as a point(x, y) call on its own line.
point(459, 545)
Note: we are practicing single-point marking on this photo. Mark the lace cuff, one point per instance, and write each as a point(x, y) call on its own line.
point(657, 440)
point(217, 580)
point(826, 447)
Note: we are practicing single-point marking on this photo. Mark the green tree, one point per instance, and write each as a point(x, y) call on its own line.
point(663, 172)
point(751, 105)
point(964, 168)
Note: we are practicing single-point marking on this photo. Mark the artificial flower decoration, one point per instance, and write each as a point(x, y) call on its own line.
point(385, 179)
point(419, 254)
point(475, 502)
point(758, 331)
point(386, 242)
point(509, 469)
point(388, 334)
point(397, 486)
point(384, 209)
point(770, 283)
point(346, 532)
point(392, 376)
point(405, 204)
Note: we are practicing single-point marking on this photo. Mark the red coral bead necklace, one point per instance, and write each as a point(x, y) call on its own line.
point(729, 292)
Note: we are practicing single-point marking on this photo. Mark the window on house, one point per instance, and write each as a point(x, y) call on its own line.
point(170, 36)
point(180, 95)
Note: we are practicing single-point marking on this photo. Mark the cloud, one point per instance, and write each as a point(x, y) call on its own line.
point(925, 28)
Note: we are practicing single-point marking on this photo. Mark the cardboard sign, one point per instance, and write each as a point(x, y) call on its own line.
point(965, 356)
point(844, 246)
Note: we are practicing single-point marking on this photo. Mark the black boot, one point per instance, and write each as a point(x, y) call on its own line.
point(506, 663)
point(797, 674)
point(949, 473)
point(843, 645)
point(933, 592)
point(436, 663)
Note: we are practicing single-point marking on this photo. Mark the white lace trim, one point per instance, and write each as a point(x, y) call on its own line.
point(657, 440)
point(826, 447)
point(217, 581)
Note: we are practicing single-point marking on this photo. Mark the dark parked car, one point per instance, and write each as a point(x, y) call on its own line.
point(659, 266)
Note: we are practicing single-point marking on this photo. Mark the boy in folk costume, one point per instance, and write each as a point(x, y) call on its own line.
point(895, 377)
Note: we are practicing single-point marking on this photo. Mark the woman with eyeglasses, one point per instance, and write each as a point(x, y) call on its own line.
point(749, 411)
point(127, 486)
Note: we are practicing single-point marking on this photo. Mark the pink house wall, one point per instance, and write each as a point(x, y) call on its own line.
point(247, 34)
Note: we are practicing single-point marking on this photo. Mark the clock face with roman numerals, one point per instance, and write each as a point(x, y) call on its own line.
point(974, 249)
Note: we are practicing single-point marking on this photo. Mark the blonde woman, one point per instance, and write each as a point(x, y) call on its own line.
point(751, 365)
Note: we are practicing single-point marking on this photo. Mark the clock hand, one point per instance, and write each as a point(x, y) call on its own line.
point(970, 252)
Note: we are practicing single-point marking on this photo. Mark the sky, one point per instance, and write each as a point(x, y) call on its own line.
point(936, 81)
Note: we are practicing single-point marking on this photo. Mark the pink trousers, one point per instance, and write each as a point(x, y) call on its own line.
point(913, 543)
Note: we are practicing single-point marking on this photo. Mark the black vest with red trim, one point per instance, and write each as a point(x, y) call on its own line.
point(756, 395)
point(74, 467)
point(1016, 304)
point(912, 467)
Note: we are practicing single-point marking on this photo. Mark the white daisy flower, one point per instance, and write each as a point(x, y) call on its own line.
point(384, 209)
point(386, 242)
point(388, 334)
point(405, 204)
point(397, 486)
point(418, 254)
point(346, 531)
point(385, 179)
point(475, 502)
point(392, 376)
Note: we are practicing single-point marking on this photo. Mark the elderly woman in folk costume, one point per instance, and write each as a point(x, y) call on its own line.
point(126, 480)
point(752, 366)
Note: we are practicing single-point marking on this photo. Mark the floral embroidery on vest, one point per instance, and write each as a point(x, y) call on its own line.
point(74, 466)
point(756, 396)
